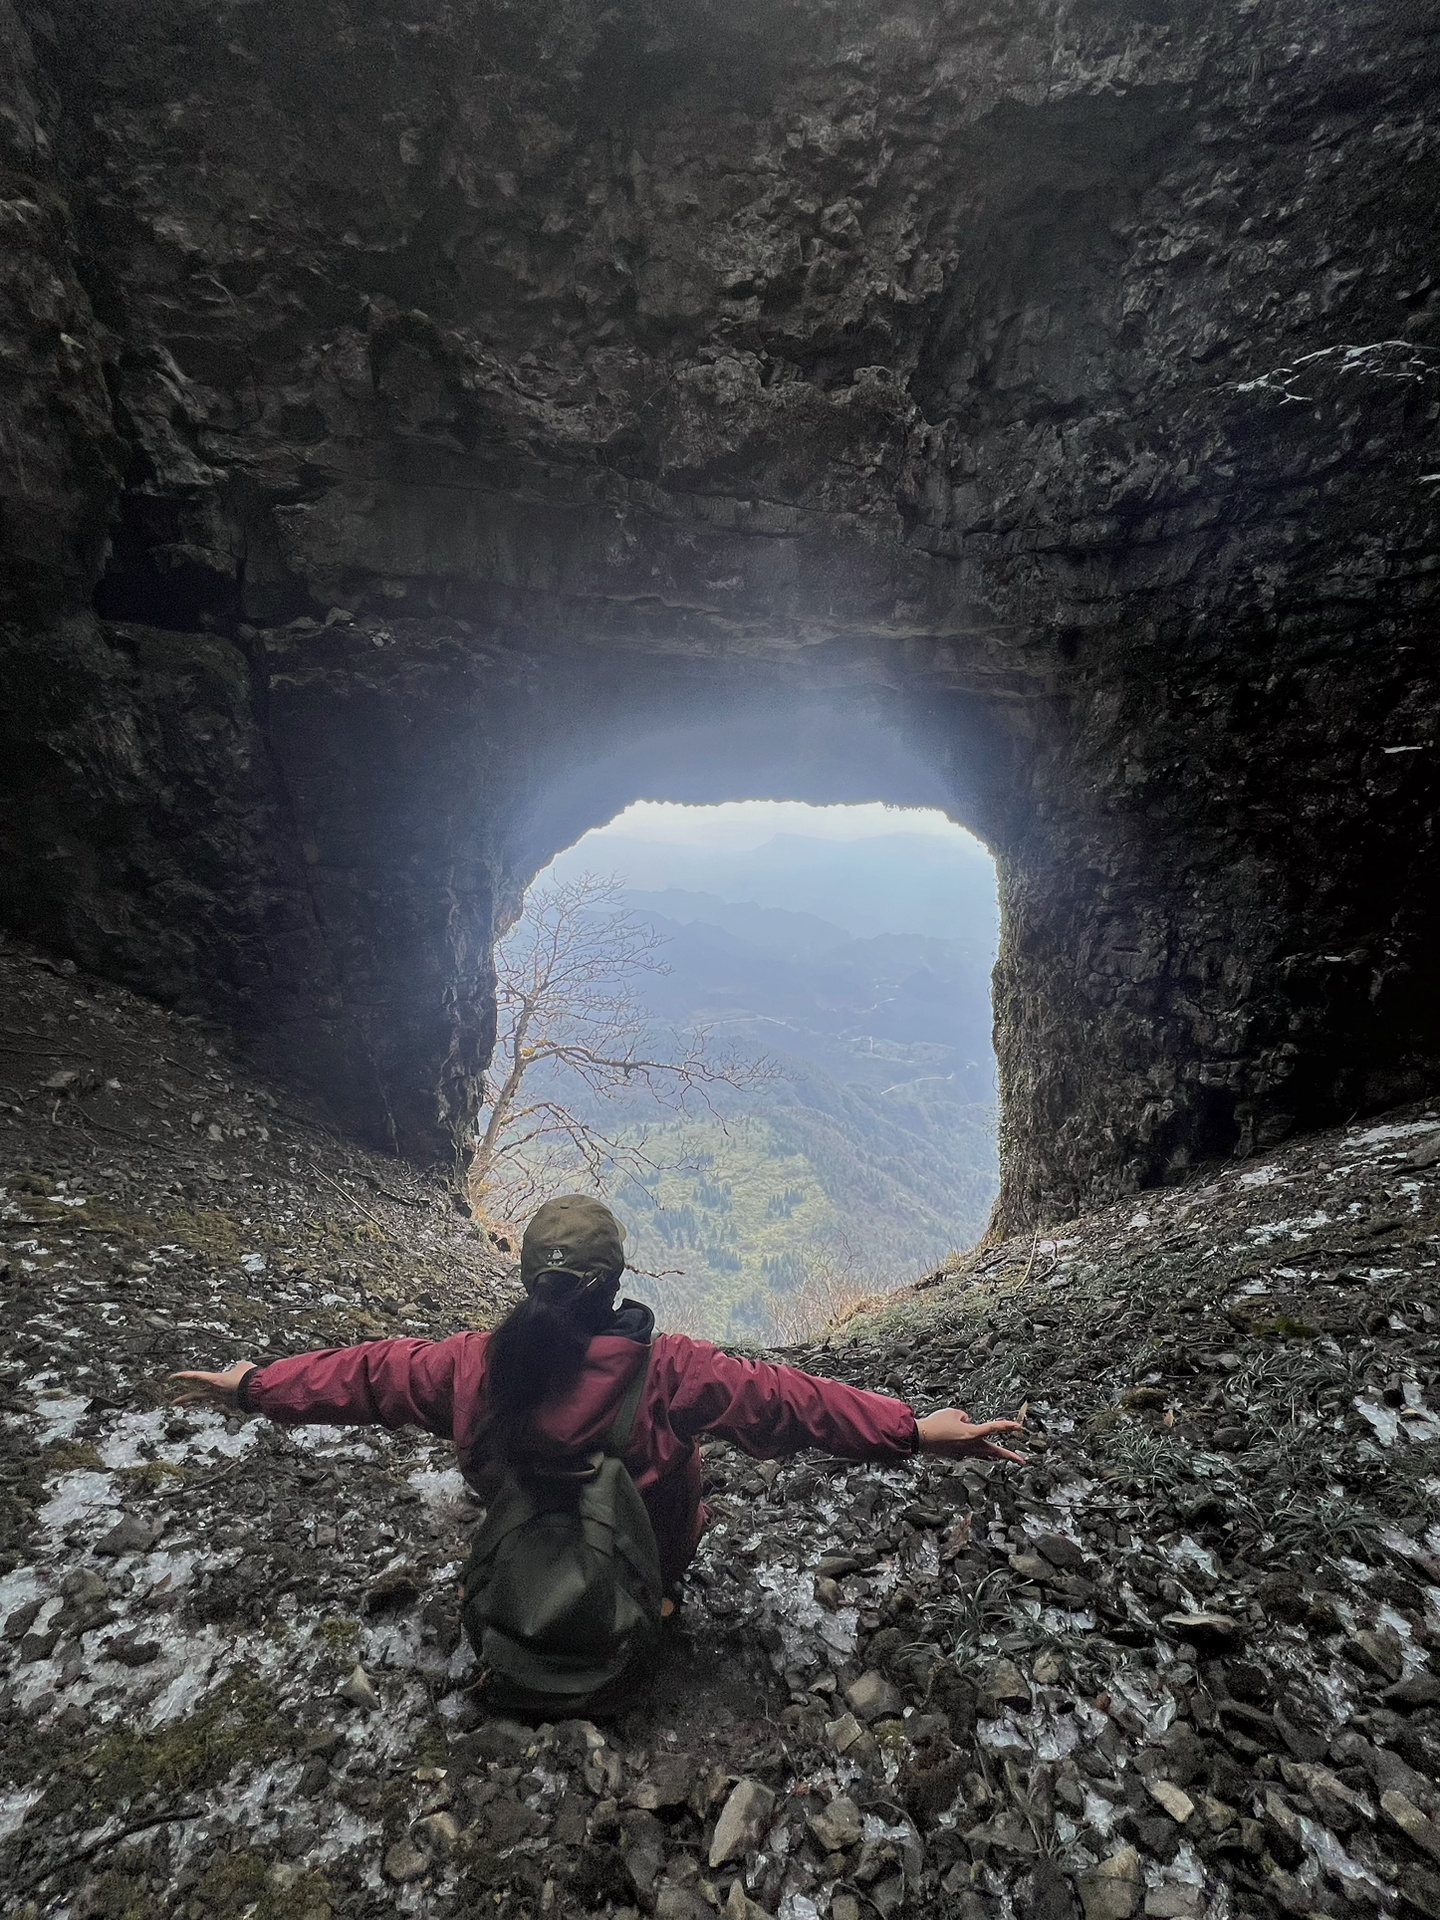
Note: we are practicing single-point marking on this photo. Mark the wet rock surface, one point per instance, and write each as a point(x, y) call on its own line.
point(1181, 1664)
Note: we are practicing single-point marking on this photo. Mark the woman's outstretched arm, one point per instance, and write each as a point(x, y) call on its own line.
point(382, 1383)
point(769, 1410)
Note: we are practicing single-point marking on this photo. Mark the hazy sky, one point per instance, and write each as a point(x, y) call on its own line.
point(738, 825)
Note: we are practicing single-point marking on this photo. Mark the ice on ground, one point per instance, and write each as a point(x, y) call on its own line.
point(15, 1804)
point(59, 1415)
point(800, 1617)
point(1384, 1420)
point(442, 1491)
point(81, 1495)
point(1400, 1130)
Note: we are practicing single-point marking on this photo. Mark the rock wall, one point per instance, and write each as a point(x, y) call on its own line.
point(1054, 386)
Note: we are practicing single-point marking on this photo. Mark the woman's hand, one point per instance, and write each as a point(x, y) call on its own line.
point(214, 1389)
point(951, 1433)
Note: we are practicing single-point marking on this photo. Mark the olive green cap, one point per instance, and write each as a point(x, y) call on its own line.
point(573, 1233)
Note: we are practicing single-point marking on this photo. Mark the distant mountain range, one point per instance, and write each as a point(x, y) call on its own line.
point(892, 883)
point(876, 1145)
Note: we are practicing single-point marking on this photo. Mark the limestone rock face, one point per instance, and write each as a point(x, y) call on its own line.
point(498, 413)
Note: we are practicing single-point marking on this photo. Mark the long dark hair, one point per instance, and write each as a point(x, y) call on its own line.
point(537, 1352)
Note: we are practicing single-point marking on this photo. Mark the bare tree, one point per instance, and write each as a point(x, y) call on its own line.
point(571, 1033)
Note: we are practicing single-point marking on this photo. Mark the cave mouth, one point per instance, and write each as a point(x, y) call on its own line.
point(837, 958)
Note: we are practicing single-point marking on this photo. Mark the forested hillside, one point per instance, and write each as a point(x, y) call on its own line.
point(871, 1152)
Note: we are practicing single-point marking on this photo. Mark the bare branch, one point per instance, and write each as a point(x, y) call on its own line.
point(568, 1011)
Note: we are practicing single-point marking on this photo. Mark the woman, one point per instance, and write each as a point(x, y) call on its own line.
point(555, 1374)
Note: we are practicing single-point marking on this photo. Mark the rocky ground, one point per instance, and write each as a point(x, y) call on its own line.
point(1178, 1665)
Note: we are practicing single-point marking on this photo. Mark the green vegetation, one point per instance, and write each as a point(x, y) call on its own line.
point(742, 1212)
point(235, 1723)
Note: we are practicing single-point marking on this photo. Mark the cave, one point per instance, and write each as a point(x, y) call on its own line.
point(426, 430)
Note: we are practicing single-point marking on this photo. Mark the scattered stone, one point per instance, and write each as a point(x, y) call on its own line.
point(440, 1831)
point(359, 1691)
point(129, 1535)
point(1007, 1832)
point(1175, 1902)
point(742, 1823)
point(1419, 1690)
point(1062, 1552)
point(1111, 1891)
point(1003, 1685)
point(1380, 1653)
point(1411, 1822)
point(838, 1825)
point(85, 1589)
point(872, 1697)
point(1421, 1890)
point(1176, 1802)
point(680, 1903)
point(1340, 1806)
point(739, 1905)
point(300, 1531)
point(19, 1621)
point(133, 1649)
point(1211, 1632)
point(835, 1566)
point(405, 1862)
point(669, 1783)
point(844, 1732)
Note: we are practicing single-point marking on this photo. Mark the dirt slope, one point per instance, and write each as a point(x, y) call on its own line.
point(1179, 1665)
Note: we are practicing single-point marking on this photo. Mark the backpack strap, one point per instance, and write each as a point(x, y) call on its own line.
point(618, 1438)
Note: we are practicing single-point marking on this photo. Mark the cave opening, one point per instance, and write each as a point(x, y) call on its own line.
point(819, 914)
point(815, 984)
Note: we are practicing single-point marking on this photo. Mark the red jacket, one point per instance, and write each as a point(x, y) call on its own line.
point(693, 1389)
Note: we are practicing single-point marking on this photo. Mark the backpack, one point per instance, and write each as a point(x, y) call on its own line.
point(562, 1587)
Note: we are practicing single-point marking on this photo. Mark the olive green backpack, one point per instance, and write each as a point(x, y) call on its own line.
point(562, 1587)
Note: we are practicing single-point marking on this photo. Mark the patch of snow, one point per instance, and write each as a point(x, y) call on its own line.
point(442, 1492)
point(1416, 1423)
point(1186, 1549)
point(1332, 1858)
point(18, 1589)
point(81, 1495)
point(1101, 1814)
point(1297, 1229)
point(1260, 1177)
point(800, 1617)
point(1405, 1130)
point(1004, 1735)
point(1157, 1713)
point(59, 1416)
point(15, 1804)
point(339, 1443)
